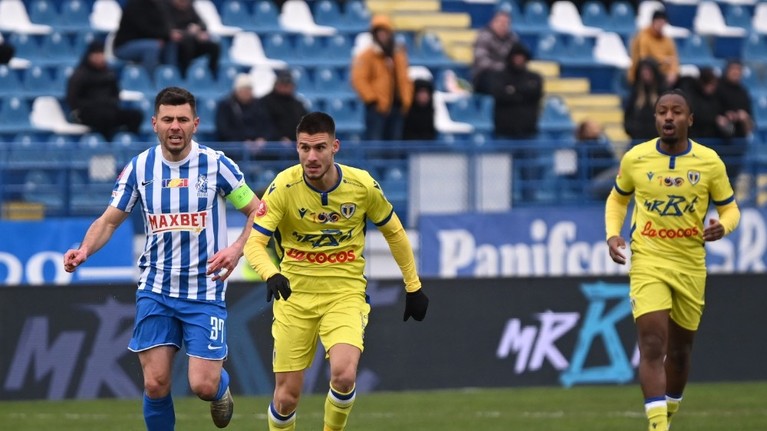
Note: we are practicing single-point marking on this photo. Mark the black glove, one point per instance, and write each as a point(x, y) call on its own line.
point(276, 286)
point(416, 304)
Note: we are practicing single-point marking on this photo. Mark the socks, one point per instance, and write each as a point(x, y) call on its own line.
point(278, 422)
point(338, 405)
point(159, 414)
point(222, 385)
point(672, 403)
point(657, 413)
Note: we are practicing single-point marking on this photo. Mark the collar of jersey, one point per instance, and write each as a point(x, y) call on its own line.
point(340, 178)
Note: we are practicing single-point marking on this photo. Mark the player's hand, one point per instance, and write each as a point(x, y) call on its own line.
point(713, 231)
point(222, 263)
point(276, 286)
point(416, 304)
point(615, 245)
point(73, 259)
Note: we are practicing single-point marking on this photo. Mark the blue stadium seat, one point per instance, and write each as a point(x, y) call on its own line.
point(57, 50)
point(75, 15)
point(39, 81)
point(135, 77)
point(81, 40)
point(329, 81)
point(266, 16)
point(44, 187)
point(594, 14)
point(93, 141)
point(695, 50)
point(278, 46)
point(43, 12)
point(167, 75)
point(555, 121)
point(303, 79)
point(738, 16)
point(622, 18)
point(760, 114)
point(755, 49)
point(26, 46)
point(328, 12)
point(10, 82)
point(14, 115)
point(309, 50)
point(356, 17)
point(348, 114)
point(468, 110)
point(536, 17)
point(550, 47)
point(236, 13)
point(430, 52)
point(206, 110)
point(580, 51)
point(338, 49)
point(199, 77)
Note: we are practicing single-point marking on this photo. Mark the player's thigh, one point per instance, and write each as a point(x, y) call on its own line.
point(344, 320)
point(649, 292)
point(295, 329)
point(688, 300)
point(155, 324)
point(157, 364)
point(204, 327)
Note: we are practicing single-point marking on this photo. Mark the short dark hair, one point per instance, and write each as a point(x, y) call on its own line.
point(659, 14)
point(317, 122)
point(677, 92)
point(175, 96)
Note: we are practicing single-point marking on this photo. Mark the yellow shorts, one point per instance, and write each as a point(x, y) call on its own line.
point(654, 289)
point(305, 318)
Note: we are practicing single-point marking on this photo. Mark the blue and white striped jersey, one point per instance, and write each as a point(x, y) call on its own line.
point(184, 218)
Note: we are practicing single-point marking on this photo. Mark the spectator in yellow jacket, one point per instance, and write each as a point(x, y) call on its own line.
point(379, 75)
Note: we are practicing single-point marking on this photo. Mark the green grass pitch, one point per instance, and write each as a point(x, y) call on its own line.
point(707, 407)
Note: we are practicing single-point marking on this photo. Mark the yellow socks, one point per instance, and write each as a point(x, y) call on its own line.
point(338, 405)
point(278, 422)
point(657, 413)
point(672, 404)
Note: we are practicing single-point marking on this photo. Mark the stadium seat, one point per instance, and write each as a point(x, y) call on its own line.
point(310, 50)
point(10, 82)
point(57, 50)
point(209, 15)
point(622, 18)
point(754, 49)
point(759, 20)
point(328, 81)
point(348, 115)
point(550, 47)
point(266, 16)
point(580, 51)
point(199, 77)
point(135, 77)
point(303, 79)
point(536, 18)
point(105, 16)
point(14, 115)
point(26, 46)
point(710, 21)
point(738, 16)
point(75, 16)
point(296, 17)
point(167, 75)
point(235, 13)
point(38, 81)
point(328, 13)
point(14, 18)
point(610, 49)
point(468, 110)
point(594, 14)
point(443, 122)
point(760, 113)
point(356, 17)
point(279, 46)
point(206, 110)
point(695, 50)
point(565, 18)
point(43, 12)
point(44, 187)
point(430, 52)
point(247, 50)
point(339, 49)
point(555, 120)
point(47, 114)
point(644, 16)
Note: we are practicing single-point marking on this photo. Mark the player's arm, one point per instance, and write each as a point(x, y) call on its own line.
point(224, 261)
point(277, 285)
point(615, 213)
point(98, 234)
point(416, 302)
point(729, 217)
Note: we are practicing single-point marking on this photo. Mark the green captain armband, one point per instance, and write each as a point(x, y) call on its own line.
point(241, 196)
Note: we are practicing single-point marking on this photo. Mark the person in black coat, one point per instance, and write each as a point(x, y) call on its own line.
point(144, 34)
point(191, 37)
point(518, 97)
point(240, 117)
point(419, 121)
point(639, 108)
point(735, 99)
point(93, 96)
point(283, 108)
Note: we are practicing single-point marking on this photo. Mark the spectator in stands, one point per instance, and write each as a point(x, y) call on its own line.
point(240, 117)
point(379, 75)
point(93, 96)
point(518, 95)
point(144, 34)
point(283, 108)
point(639, 109)
point(191, 37)
point(735, 99)
point(710, 120)
point(490, 51)
point(651, 42)
point(6, 51)
point(419, 122)
point(595, 158)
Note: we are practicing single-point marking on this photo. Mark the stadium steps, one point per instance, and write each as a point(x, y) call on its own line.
point(566, 86)
point(458, 43)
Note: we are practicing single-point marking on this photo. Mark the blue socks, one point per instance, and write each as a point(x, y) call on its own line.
point(222, 385)
point(159, 414)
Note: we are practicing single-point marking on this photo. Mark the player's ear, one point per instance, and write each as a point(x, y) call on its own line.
point(690, 120)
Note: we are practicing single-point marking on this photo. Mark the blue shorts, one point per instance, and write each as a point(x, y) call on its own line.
point(165, 321)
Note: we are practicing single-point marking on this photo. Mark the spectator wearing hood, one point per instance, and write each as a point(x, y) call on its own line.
point(518, 95)
point(379, 74)
point(419, 122)
point(93, 96)
point(639, 108)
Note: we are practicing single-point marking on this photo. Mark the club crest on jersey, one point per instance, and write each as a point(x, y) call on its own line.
point(202, 186)
point(693, 177)
point(173, 183)
point(348, 209)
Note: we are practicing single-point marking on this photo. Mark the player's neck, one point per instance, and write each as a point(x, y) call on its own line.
point(677, 147)
point(326, 182)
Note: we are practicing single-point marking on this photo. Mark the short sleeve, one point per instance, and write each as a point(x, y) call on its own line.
point(125, 191)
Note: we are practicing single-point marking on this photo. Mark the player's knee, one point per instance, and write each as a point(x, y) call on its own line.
point(285, 402)
point(156, 388)
point(344, 381)
point(679, 356)
point(652, 346)
point(204, 389)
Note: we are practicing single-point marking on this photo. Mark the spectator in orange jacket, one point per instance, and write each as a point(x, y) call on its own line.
point(651, 42)
point(379, 75)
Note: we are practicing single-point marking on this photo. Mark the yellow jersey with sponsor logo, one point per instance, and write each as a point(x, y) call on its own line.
point(320, 235)
point(672, 194)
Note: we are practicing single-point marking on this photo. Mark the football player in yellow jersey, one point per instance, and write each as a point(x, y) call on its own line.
point(673, 180)
point(317, 213)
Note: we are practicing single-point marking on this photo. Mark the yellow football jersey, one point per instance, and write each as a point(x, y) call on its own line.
point(672, 194)
point(320, 236)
